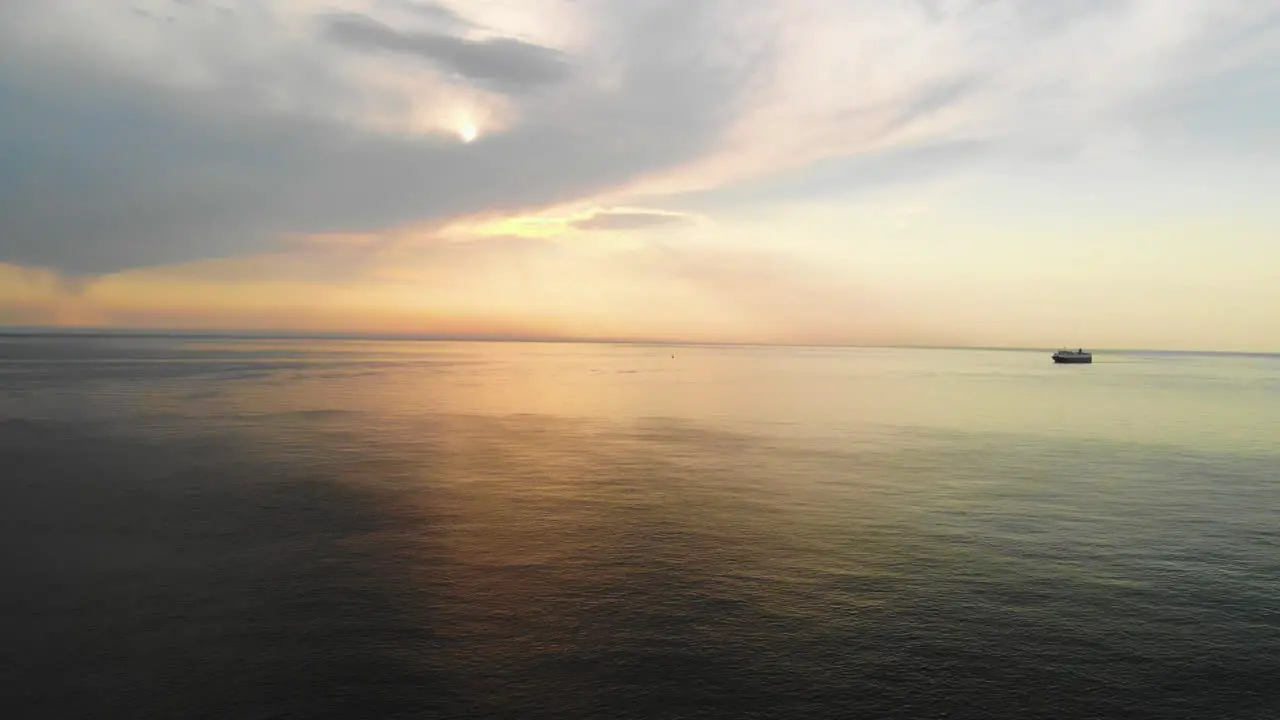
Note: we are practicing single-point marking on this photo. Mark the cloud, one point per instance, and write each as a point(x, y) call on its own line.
point(505, 63)
point(860, 79)
point(435, 13)
point(127, 143)
point(114, 163)
point(632, 219)
point(842, 176)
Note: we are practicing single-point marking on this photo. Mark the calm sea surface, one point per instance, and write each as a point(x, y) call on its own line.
point(299, 529)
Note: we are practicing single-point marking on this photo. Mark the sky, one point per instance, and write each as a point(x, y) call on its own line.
point(1027, 173)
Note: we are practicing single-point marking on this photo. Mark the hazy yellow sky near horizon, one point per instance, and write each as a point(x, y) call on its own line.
point(1020, 173)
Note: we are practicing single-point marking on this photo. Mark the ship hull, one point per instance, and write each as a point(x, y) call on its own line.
point(1073, 360)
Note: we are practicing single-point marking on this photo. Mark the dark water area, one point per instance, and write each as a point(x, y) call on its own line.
point(246, 529)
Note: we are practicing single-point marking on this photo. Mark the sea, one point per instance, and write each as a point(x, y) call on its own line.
point(251, 528)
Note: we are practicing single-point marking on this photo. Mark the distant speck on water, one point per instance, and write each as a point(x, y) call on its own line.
point(241, 529)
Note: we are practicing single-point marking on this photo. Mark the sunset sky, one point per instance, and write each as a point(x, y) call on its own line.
point(1101, 173)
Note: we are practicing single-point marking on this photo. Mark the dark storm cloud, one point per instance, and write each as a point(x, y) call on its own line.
point(505, 63)
point(101, 172)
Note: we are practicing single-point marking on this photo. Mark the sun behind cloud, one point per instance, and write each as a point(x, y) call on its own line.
point(468, 131)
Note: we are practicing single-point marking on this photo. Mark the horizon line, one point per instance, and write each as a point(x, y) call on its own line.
point(90, 331)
